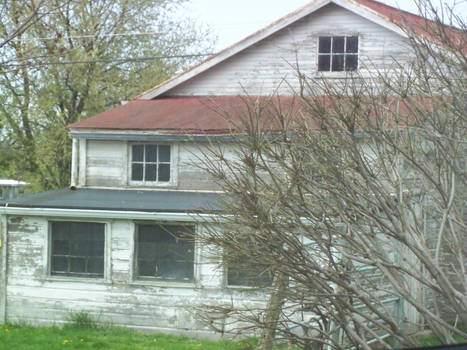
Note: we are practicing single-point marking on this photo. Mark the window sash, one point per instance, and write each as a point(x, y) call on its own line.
point(337, 56)
point(151, 169)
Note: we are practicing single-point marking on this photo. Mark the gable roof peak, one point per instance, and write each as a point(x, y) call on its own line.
point(384, 15)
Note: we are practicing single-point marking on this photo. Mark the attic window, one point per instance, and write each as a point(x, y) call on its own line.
point(338, 53)
point(150, 163)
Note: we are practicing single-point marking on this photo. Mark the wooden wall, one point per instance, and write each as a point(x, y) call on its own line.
point(272, 63)
point(107, 165)
point(37, 298)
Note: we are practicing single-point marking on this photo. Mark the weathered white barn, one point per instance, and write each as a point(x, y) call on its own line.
point(109, 244)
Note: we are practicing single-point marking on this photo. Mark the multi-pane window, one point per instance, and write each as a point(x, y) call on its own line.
point(150, 163)
point(77, 249)
point(165, 251)
point(338, 53)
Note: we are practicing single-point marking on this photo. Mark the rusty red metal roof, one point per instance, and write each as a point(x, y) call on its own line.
point(188, 115)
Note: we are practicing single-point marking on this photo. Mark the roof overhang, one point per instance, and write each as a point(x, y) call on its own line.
point(134, 135)
point(108, 214)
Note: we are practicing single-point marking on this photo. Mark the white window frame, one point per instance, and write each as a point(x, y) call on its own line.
point(173, 165)
point(331, 54)
point(135, 279)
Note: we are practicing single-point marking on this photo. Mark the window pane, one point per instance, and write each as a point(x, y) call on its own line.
point(338, 44)
point(137, 153)
point(137, 172)
point(337, 63)
point(352, 44)
point(164, 172)
point(146, 268)
point(151, 153)
point(164, 153)
point(324, 63)
point(151, 172)
point(324, 44)
point(95, 265)
point(77, 265)
point(351, 62)
point(60, 247)
point(59, 264)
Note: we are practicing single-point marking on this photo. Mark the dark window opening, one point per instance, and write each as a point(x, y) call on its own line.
point(150, 163)
point(337, 53)
point(165, 251)
point(243, 271)
point(77, 249)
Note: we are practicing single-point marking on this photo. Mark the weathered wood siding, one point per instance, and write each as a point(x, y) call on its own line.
point(272, 63)
point(36, 297)
point(107, 165)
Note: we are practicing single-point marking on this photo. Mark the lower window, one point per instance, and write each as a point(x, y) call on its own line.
point(165, 251)
point(243, 271)
point(77, 249)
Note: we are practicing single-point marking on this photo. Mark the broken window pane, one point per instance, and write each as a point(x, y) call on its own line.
point(77, 249)
point(164, 251)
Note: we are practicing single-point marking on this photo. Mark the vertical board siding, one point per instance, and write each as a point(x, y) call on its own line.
point(37, 298)
point(271, 65)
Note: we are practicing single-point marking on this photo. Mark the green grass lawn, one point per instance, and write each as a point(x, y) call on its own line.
point(21, 337)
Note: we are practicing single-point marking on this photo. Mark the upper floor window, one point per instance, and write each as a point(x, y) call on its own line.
point(77, 249)
point(150, 163)
point(338, 53)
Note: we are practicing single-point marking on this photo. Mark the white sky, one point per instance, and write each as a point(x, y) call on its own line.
point(232, 20)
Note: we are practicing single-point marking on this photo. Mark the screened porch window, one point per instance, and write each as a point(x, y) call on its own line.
point(77, 249)
point(243, 271)
point(165, 251)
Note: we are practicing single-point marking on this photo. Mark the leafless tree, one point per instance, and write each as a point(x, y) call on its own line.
point(351, 197)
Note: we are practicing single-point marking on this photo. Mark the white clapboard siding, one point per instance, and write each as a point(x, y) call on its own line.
point(271, 65)
point(37, 298)
point(107, 165)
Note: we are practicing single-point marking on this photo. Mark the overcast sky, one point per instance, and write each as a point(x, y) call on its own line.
point(233, 20)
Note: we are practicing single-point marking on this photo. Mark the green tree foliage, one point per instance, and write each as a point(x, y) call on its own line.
point(72, 59)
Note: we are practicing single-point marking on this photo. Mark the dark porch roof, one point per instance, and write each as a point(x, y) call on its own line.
point(129, 200)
